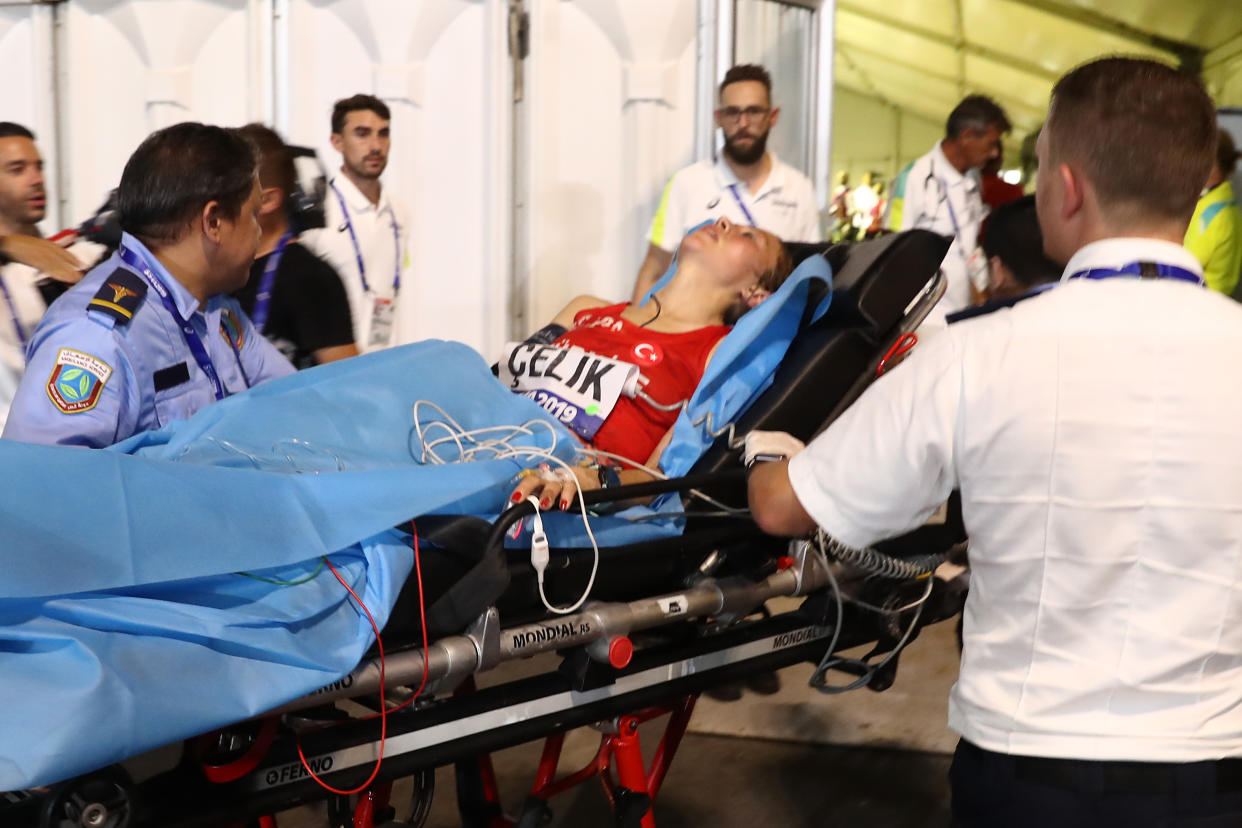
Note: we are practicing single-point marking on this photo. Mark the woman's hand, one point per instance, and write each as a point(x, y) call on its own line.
point(555, 486)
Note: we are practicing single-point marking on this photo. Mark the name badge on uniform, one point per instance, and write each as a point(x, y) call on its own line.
point(381, 322)
point(575, 386)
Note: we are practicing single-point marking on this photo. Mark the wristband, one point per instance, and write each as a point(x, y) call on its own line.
point(547, 334)
point(770, 446)
point(609, 477)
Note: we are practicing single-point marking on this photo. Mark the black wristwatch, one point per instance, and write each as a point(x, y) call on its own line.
point(609, 477)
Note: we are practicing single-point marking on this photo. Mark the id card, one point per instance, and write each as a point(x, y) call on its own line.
point(381, 322)
point(977, 269)
point(573, 385)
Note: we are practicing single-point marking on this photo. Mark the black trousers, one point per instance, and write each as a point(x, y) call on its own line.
point(995, 790)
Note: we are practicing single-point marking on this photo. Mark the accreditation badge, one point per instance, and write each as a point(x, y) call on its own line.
point(977, 269)
point(381, 322)
point(77, 380)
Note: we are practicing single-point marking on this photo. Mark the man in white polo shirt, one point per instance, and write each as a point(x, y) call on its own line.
point(747, 183)
point(1092, 431)
point(940, 192)
point(366, 229)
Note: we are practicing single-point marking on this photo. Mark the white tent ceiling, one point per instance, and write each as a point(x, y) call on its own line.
point(923, 56)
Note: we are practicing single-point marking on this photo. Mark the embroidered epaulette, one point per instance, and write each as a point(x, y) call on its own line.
point(120, 295)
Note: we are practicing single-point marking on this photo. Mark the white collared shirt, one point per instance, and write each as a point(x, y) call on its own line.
point(921, 199)
point(784, 205)
point(1092, 431)
point(25, 302)
point(373, 226)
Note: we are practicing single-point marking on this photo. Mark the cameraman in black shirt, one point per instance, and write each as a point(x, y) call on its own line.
point(294, 298)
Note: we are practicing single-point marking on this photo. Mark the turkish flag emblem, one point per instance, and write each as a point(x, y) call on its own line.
point(647, 353)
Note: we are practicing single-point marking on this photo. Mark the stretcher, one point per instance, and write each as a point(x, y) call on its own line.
point(667, 619)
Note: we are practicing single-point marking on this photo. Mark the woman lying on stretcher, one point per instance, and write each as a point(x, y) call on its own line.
point(618, 374)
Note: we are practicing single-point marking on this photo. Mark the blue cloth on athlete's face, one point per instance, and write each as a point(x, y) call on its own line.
point(116, 362)
point(672, 266)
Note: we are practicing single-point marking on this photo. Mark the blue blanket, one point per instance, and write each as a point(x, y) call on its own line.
point(124, 621)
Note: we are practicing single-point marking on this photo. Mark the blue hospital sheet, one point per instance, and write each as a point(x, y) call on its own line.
point(123, 622)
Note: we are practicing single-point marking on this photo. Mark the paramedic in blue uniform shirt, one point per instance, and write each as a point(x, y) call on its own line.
point(365, 232)
point(1092, 430)
point(747, 184)
point(150, 335)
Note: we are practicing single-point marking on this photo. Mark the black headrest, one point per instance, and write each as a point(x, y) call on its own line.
point(874, 282)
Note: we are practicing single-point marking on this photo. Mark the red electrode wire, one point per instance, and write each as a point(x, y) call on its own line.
point(422, 615)
point(383, 714)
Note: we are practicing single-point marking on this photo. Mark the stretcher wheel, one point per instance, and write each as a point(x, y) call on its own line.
point(99, 800)
point(342, 809)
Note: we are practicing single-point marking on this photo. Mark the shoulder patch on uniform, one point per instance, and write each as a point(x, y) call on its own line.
point(76, 381)
point(231, 329)
point(120, 295)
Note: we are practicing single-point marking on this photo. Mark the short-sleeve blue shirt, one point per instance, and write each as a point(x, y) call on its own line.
point(93, 379)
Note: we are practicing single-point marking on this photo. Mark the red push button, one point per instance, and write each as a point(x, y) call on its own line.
point(620, 651)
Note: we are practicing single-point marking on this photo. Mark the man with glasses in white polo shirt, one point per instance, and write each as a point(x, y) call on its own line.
point(747, 183)
point(366, 230)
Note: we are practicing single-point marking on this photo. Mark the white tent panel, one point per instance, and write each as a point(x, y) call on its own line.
point(904, 45)
point(133, 66)
point(610, 88)
point(1040, 37)
point(434, 64)
point(25, 46)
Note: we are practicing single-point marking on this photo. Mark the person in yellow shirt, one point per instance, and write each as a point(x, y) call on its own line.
point(1215, 232)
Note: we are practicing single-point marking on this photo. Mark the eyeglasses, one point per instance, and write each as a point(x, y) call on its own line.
point(733, 114)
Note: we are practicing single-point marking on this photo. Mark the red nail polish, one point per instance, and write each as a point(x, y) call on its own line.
point(545, 503)
point(517, 498)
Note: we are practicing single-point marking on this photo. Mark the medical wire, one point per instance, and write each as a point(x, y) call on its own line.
point(499, 449)
point(659, 310)
point(829, 661)
point(304, 579)
point(384, 711)
point(383, 719)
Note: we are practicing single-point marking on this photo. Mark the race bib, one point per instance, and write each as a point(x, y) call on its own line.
point(381, 322)
point(575, 386)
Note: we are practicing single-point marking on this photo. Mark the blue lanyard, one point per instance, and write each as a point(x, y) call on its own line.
point(396, 244)
point(192, 339)
point(1162, 271)
point(263, 299)
point(742, 204)
point(17, 325)
point(957, 229)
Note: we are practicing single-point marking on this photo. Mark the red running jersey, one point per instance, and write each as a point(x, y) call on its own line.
point(673, 364)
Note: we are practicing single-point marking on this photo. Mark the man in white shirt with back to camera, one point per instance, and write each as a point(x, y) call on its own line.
point(366, 230)
point(940, 192)
point(747, 184)
point(1092, 431)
